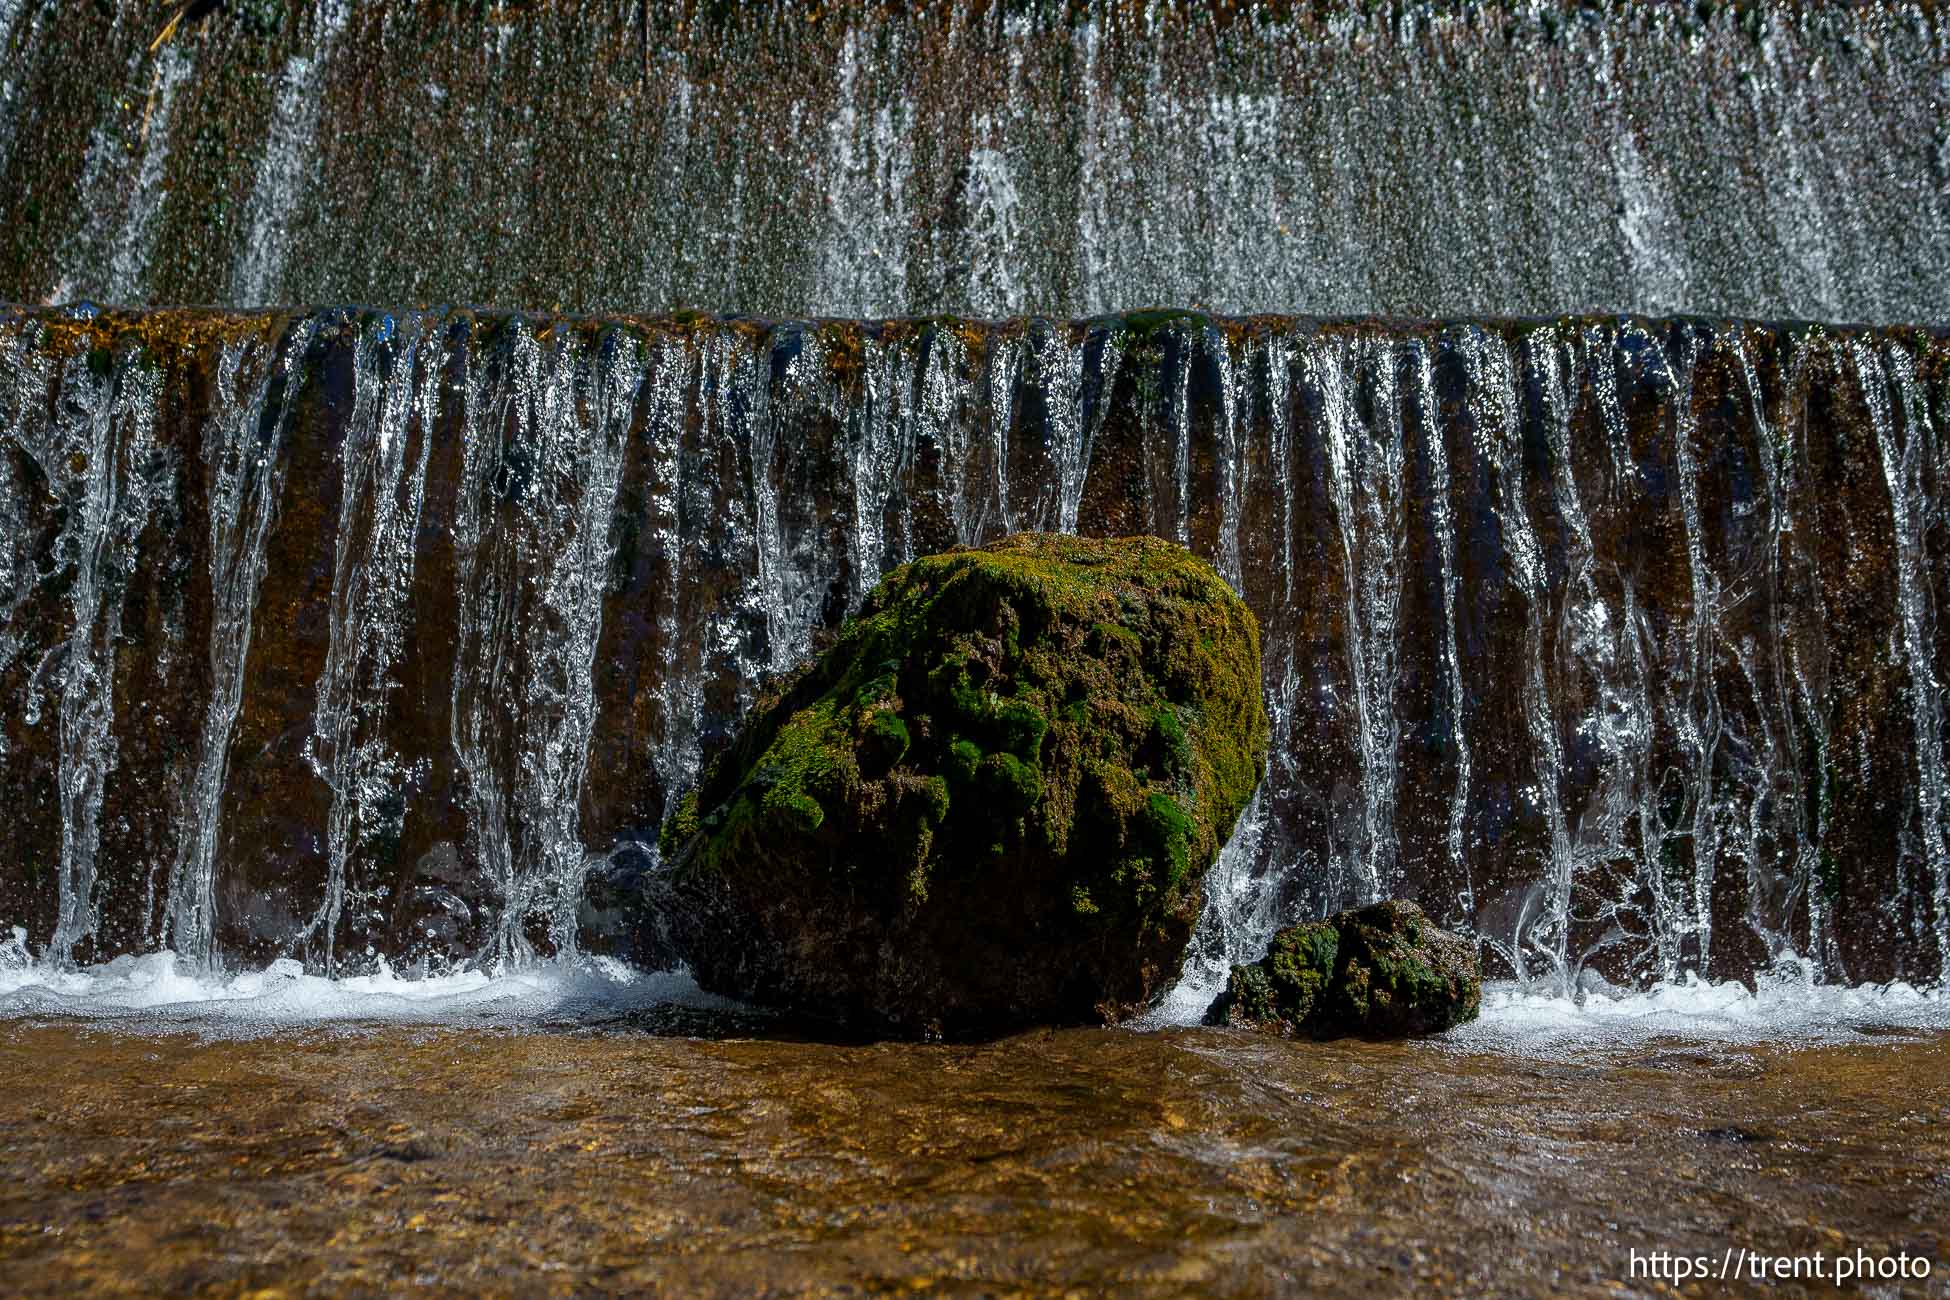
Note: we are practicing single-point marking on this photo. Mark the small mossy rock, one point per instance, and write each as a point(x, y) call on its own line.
point(991, 803)
point(1381, 971)
point(1282, 991)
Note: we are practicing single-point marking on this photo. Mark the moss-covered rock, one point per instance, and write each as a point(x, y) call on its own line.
point(1382, 971)
point(990, 803)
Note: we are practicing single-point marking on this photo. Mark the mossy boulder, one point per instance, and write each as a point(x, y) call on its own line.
point(990, 803)
point(1382, 971)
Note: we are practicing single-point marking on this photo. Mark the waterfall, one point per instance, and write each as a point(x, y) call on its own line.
point(1905, 431)
point(542, 461)
point(384, 460)
point(1501, 158)
point(288, 150)
point(87, 443)
point(1364, 467)
point(243, 446)
point(1610, 640)
point(14, 36)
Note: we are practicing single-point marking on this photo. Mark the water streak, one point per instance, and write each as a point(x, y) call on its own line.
point(244, 450)
point(1907, 438)
point(289, 156)
point(1560, 620)
point(543, 453)
point(395, 369)
point(97, 453)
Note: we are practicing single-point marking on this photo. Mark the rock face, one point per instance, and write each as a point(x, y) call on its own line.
point(991, 803)
point(1381, 971)
point(342, 633)
point(256, 155)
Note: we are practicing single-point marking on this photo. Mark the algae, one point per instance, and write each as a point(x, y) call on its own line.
point(1380, 971)
point(1029, 749)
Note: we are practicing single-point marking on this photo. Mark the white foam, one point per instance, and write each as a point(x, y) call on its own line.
point(1783, 1007)
point(1185, 1004)
point(158, 992)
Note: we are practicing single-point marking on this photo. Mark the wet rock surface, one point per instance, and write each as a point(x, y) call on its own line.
point(351, 633)
point(980, 158)
point(1381, 971)
point(991, 803)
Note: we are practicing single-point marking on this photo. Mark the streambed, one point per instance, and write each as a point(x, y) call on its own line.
point(680, 1147)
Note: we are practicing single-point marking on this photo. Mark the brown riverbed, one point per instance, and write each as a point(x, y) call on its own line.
point(456, 1161)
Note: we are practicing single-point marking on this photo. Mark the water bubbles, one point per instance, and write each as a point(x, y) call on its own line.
point(1527, 657)
point(532, 574)
point(382, 493)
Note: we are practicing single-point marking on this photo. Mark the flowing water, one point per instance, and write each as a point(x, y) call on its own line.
point(1773, 160)
point(351, 657)
point(1612, 642)
point(615, 1141)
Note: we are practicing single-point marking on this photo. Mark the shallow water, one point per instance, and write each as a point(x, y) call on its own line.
point(612, 1139)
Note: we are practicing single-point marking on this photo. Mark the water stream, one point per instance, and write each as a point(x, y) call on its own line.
point(1562, 385)
point(1562, 638)
point(1413, 159)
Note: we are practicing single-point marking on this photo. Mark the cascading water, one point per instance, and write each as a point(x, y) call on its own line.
point(1610, 641)
point(243, 448)
point(570, 372)
point(288, 148)
point(381, 496)
point(542, 458)
point(85, 444)
point(1775, 160)
point(1906, 435)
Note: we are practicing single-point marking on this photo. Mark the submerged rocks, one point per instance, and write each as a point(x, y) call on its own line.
point(1381, 971)
point(991, 803)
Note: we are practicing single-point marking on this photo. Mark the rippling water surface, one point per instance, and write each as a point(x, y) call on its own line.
point(594, 1129)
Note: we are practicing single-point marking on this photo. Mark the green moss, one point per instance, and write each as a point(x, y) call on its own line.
point(1284, 991)
point(809, 765)
point(1066, 725)
point(964, 760)
point(679, 827)
point(1016, 785)
point(1173, 745)
point(796, 809)
point(966, 701)
point(1302, 960)
point(1390, 978)
point(933, 794)
point(1142, 325)
point(1170, 832)
point(1249, 990)
point(1381, 970)
point(1116, 790)
point(877, 689)
point(1021, 729)
point(887, 739)
point(1111, 635)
